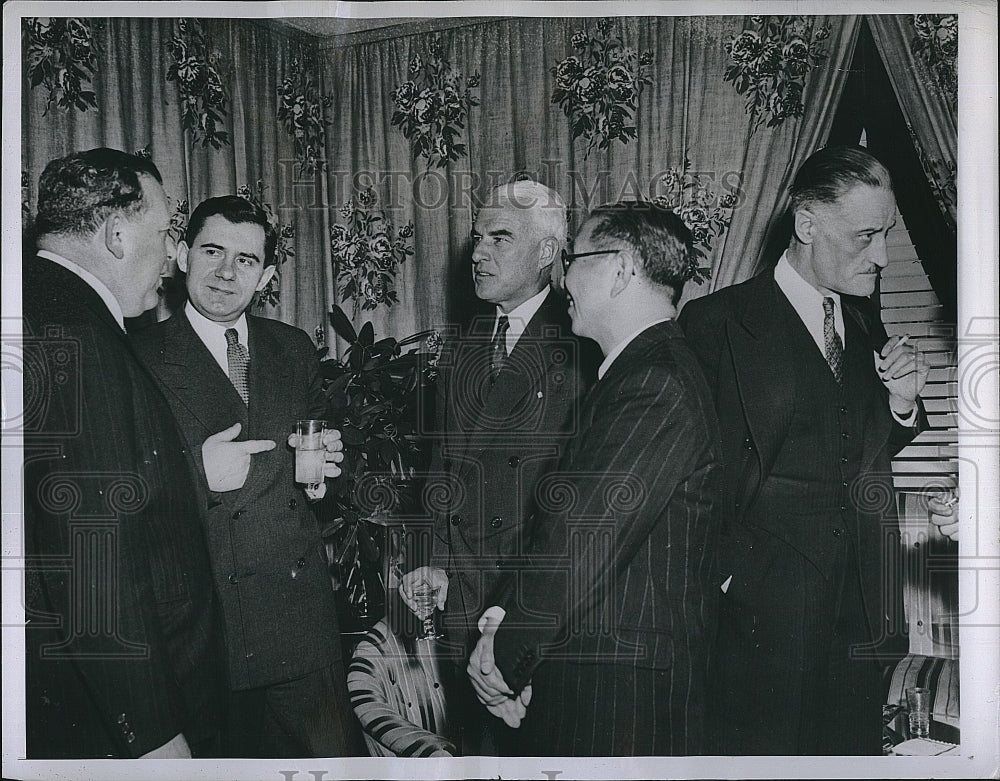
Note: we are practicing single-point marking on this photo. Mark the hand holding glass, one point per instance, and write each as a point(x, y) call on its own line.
point(425, 598)
point(310, 453)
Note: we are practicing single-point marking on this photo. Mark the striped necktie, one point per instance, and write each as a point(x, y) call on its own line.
point(498, 348)
point(831, 339)
point(239, 360)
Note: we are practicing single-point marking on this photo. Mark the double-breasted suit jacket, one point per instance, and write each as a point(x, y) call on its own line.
point(622, 565)
point(809, 493)
point(268, 559)
point(496, 441)
point(123, 642)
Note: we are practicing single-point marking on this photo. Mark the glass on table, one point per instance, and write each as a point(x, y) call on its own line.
point(918, 701)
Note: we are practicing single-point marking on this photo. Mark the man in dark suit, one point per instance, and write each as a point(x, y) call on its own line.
point(611, 622)
point(510, 401)
point(813, 400)
point(220, 367)
point(122, 642)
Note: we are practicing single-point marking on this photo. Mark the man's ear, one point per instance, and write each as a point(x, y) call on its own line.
point(548, 252)
point(804, 226)
point(113, 235)
point(624, 263)
point(266, 276)
point(182, 255)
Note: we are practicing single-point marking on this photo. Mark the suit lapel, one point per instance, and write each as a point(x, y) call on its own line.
point(879, 423)
point(192, 374)
point(764, 368)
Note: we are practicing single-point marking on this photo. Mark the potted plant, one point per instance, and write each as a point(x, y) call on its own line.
point(376, 395)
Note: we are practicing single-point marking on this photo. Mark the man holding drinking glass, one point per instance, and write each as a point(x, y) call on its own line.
point(224, 370)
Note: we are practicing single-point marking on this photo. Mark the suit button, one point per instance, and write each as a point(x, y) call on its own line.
point(121, 718)
point(233, 579)
point(496, 522)
point(837, 532)
point(513, 461)
point(845, 435)
point(300, 563)
point(499, 564)
point(843, 508)
point(237, 515)
point(130, 737)
point(843, 410)
point(456, 519)
point(292, 504)
point(843, 484)
point(843, 459)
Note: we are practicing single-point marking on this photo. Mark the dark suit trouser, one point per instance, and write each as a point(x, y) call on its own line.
point(305, 717)
point(609, 710)
point(785, 680)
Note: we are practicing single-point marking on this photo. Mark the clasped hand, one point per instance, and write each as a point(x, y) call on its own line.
point(487, 681)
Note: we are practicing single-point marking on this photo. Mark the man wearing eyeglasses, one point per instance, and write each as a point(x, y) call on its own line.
point(511, 393)
point(602, 646)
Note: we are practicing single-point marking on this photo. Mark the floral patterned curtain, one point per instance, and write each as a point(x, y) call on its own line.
point(138, 105)
point(922, 50)
point(686, 113)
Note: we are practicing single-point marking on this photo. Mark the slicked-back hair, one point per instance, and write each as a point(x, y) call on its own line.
point(829, 173)
point(547, 207)
point(657, 235)
point(237, 211)
point(77, 193)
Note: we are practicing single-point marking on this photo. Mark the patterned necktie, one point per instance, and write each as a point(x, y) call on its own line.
point(239, 360)
point(832, 343)
point(498, 349)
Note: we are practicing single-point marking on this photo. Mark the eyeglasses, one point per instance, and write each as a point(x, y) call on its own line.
point(569, 257)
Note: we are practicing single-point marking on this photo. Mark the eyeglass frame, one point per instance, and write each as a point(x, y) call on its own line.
point(568, 257)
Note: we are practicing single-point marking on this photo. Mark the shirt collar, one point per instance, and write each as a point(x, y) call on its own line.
point(99, 287)
point(520, 316)
point(620, 347)
point(211, 331)
point(806, 300)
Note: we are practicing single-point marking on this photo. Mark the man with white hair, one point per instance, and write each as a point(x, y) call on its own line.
point(511, 391)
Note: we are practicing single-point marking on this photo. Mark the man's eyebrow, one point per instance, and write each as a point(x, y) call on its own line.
point(499, 232)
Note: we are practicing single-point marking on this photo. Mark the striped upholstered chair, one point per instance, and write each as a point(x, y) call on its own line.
point(398, 696)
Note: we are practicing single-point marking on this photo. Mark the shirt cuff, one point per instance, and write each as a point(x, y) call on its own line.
point(907, 420)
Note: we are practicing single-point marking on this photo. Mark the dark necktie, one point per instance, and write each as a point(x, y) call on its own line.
point(831, 339)
point(239, 360)
point(498, 348)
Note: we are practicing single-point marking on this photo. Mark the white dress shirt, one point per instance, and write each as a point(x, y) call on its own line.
point(519, 317)
point(99, 287)
point(808, 304)
point(213, 334)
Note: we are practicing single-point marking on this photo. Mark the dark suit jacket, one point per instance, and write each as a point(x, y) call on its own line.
point(267, 555)
point(751, 367)
point(122, 641)
point(624, 557)
point(496, 444)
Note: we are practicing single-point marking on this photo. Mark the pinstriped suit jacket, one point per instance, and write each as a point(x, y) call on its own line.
point(622, 564)
point(118, 564)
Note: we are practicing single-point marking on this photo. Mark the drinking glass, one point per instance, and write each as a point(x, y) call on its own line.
point(310, 455)
point(918, 700)
point(426, 596)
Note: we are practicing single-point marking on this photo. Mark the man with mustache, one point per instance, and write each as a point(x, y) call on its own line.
point(813, 400)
